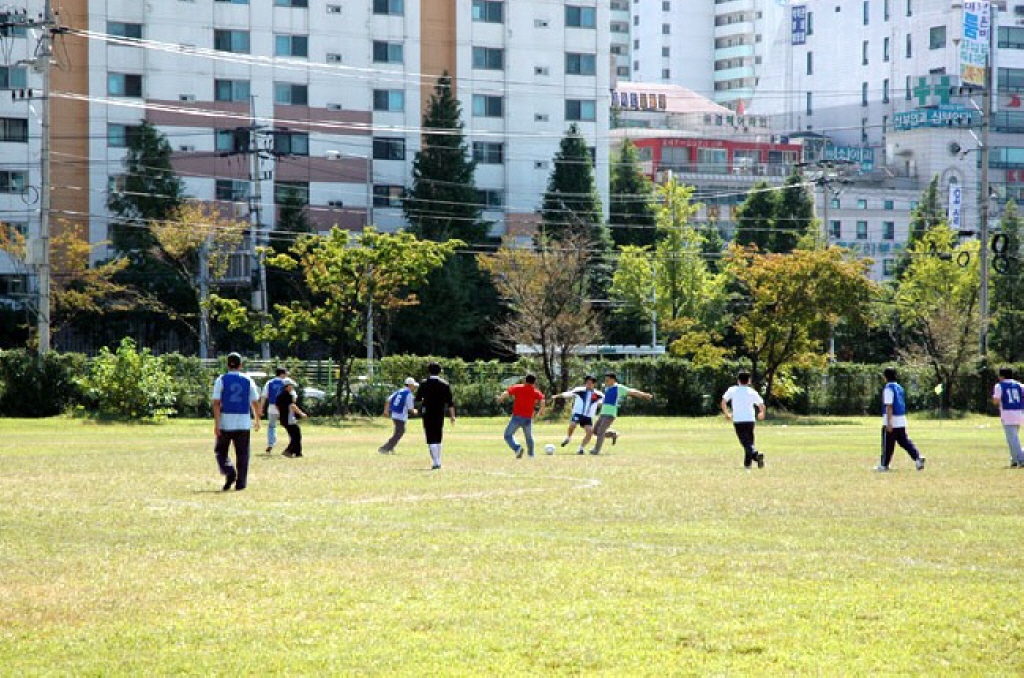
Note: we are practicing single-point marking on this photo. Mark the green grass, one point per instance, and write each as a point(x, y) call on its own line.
point(119, 554)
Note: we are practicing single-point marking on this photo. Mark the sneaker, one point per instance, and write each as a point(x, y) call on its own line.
point(1014, 464)
point(435, 467)
point(919, 463)
point(594, 452)
point(614, 436)
point(882, 469)
point(581, 451)
point(270, 448)
point(286, 453)
point(519, 453)
point(230, 479)
point(565, 442)
point(382, 450)
point(760, 460)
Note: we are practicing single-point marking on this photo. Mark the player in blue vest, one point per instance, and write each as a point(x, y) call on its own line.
point(1009, 396)
point(399, 406)
point(894, 423)
point(235, 397)
point(268, 405)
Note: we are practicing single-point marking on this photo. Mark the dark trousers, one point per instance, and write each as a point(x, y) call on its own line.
point(433, 428)
point(294, 439)
point(889, 441)
point(241, 442)
point(745, 432)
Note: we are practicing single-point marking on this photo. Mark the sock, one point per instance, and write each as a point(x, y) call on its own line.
point(435, 453)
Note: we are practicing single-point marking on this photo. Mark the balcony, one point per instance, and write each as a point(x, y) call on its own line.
point(696, 173)
point(738, 28)
point(734, 52)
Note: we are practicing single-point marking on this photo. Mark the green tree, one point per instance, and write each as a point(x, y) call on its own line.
point(632, 201)
point(791, 301)
point(443, 201)
point(292, 223)
point(925, 216)
point(755, 218)
point(344, 273)
point(794, 214)
point(1007, 333)
point(936, 305)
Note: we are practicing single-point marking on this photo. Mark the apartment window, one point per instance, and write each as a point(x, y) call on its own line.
point(388, 148)
point(888, 205)
point(14, 130)
point(231, 190)
point(885, 9)
point(488, 153)
point(862, 204)
point(1010, 79)
point(291, 46)
point(387, 195)
point(580, 64)
point(231, 140)
point(862, 230)
point(389, 100)
point(234, 2)
point(286, 191)
point(885, 91)
point(12, 182)
point(910, 46)
point(581, 17)
point(810, 103)
point(489, 58)
point(810, 63)
point(121, 136)
point(864, 52)
point(392, 7)
point(124, 85)
point(388, 52)
point(291, 3)
point(863, 94)
point(13, 77)
point(835, 203)
point(489, 11)
point(231, 90)
point(666, 6)
point(666, 74)
point(909, 90)
point(231, 41)
point(289, 94)
point(1011, 37)
point(666, 51)
point(487, 106)
point(888, 230)
point(888, 267)
point(810, 23)
point(584, 110)
point(936, 37)
point(124, 29)
point(491, 199)
point(291, 143)
point(910, 8)
point(867, 12)
point(835, 229)
point(885, 50)
point(666, 29)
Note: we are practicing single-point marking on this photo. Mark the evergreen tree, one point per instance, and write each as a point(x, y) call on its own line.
point(632, 207)
point(755, 218)
point(794, 215)
point(1007, 333)
point(928, 214)
point(443, 202)
point(712, 246)
point(284, 286)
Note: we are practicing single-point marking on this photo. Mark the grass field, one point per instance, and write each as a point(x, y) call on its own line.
point(120, 555)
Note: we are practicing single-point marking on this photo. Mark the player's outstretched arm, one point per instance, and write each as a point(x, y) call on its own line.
point(725, 409)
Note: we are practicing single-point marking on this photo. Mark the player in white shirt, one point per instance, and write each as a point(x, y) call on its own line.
point(744, 400)
point(586, 400)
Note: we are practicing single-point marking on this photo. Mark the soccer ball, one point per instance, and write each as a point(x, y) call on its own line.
point(549, 448)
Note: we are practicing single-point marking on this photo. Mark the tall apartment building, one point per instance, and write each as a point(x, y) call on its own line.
point(336, 90)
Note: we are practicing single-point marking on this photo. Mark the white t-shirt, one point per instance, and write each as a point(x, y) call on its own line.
point(580, 405)
point(1009, 417)
point(236, 422)
point(744, 400)
point(410, 403)
point(898, 420)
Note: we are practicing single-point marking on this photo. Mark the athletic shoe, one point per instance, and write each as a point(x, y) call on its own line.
point(882, 469)
point(1014, 464)
point(760, 460)
point(230, 480)
point(565, 442)
point(286, 453)
point(614, 435)
point(594, 452)
point(519, 453)
point(382, 450)
point(435, 467)
point(270, 448)
point(581, 451)
point(919, 463)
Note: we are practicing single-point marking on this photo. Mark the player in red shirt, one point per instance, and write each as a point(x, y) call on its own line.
point(524, 403)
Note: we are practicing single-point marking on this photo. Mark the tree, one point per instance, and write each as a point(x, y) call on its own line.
point(443, 202)
point(936, 305)
point(791, 300)
point(545, 291)
point(925, 216)
point(1007, 333)
point(292, 223)
point(794, 214)
point(755, 218)
point(345, 273)
point(632, 201)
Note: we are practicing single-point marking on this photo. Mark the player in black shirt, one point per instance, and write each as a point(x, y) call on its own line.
point(434, 397)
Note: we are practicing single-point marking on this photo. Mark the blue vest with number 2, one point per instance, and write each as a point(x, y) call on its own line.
point(234, 394)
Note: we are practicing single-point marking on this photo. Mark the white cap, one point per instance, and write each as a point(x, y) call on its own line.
point(411, 382)
point(288, 382)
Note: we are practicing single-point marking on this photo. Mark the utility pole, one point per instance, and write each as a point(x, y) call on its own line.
point(257, 235)
point(204, 295)
point(983, 206)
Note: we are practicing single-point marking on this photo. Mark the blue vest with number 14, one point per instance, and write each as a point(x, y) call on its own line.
point(1010, 392)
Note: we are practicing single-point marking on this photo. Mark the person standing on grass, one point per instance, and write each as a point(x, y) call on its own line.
point(1007, 394)
point(268, 405)
point(235, 414)
point(614, 395)
point(290, 415)
point(399, 406)
point(436, 397)
point(586, 401)
point(894, 423)
point(744, 400)
point(525, 398)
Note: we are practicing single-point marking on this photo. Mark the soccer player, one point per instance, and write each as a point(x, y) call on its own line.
point(290, 414)
point(524, 404)
point(436, 397)
point(235, 397)
point(399, 406)
point(268, 405)
point(614, 394)
point(744, 400)
point(1007, 395)
point(894, 423)
point(586, 400)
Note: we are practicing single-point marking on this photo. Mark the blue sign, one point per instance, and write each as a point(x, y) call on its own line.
point(859, 154)
point(798, 24)
point(953, 115)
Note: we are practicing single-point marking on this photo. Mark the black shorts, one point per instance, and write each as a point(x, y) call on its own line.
point(582, 420)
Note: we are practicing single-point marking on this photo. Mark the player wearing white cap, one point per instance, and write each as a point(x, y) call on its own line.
point(399, 406)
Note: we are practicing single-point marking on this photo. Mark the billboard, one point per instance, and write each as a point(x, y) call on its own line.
point(977, 36)
point(798, 24)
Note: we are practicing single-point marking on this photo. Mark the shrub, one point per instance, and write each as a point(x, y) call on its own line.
point(39, 386)
point(130, 384)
